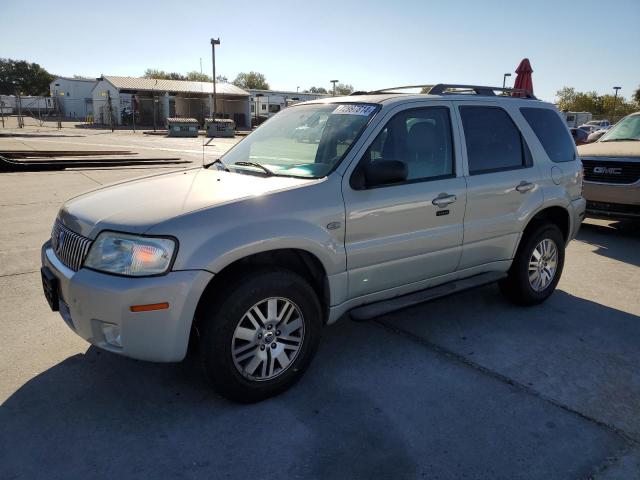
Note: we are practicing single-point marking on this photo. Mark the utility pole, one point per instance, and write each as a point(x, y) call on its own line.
point(110, 109)
point(155, 100)
point(214, 42)
point(19, 105)
point(2, 111)
point(334, 86)
point(133, 112)
point(615, 104)
point(258, 95)
point(58, 117)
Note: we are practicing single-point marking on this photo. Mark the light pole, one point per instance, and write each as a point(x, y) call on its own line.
point(334, 86)
point(504, 79)
point(214, 42)
point(615, 103)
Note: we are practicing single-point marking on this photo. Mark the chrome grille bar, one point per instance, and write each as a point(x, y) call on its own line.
point(68, 246)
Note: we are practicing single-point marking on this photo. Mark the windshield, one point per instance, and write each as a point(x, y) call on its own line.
point(302, 141)
point(626, 129)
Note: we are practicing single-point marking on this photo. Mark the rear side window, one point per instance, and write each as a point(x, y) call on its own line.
point(551, 132)
point(494, 143)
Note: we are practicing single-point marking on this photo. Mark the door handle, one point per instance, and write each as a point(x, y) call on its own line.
point(444, 199)
point(524, 187)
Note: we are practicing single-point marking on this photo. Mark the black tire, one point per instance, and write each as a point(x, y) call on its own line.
point(517, 287)
point(221, 316)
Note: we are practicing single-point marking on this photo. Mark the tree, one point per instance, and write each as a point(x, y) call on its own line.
point(566, 98)
point(317, 90)
point(19, 76)
point(162, 75)
point(253, 80)
point(198, 77)
point(603, 105)
point(344, 89)
point(222, 79)
point(636, 96)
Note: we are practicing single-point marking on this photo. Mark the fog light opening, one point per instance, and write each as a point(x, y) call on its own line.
point(112, 335)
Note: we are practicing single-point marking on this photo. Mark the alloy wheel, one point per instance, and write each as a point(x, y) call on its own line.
point(267, 339)
point(543, 264)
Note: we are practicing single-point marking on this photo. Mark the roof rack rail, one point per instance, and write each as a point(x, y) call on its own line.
point(445, 88)
point(404, 87)
point(448, 89)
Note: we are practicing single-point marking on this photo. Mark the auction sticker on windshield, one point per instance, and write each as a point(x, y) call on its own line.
point(364, 110)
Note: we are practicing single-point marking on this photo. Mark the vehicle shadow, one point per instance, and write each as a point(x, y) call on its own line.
point(374, 404)
point(579, 353)
point(625, 234)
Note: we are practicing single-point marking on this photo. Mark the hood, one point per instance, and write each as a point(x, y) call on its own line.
point(610, 149)
point(137, 205)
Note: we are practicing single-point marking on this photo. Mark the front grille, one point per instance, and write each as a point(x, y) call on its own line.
point(603, 171)
point(604, 207)
point(69, 247)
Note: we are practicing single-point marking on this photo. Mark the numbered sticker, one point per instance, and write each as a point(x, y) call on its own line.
point(364, 110)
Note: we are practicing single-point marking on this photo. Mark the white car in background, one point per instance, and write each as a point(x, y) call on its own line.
point(599, 124)
point(588, 128)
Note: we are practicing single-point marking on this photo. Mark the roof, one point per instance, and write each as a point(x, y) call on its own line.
point(173, 86)
point(287, 92)
point(90, 80)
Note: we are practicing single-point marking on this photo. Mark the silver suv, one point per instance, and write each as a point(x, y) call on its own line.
point(395, 199)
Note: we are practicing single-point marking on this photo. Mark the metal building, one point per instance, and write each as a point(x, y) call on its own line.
point(152, 101)
point(74, 96)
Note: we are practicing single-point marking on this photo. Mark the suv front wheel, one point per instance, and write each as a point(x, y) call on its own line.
point(260, 335)
point(537, 266)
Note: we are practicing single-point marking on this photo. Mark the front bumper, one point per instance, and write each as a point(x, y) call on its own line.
point(90, 301)
point(606, 200)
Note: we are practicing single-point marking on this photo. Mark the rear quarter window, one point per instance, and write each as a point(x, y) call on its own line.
point(552, 133)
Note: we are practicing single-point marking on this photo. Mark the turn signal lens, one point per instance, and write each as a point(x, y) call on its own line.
point(149, 307)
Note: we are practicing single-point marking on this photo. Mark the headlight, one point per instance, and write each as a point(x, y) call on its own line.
point(130, 255)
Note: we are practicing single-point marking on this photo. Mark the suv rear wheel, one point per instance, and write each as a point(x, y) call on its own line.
point(261, 334)
point(537, 267)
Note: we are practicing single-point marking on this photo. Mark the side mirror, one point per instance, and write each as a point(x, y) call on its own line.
point(384, 172)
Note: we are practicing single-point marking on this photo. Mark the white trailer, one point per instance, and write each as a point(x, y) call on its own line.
point(575, 119)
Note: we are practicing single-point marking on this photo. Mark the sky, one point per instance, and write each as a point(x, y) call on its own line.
point(588, 45)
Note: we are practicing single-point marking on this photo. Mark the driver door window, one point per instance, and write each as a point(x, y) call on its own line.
point(421, 139)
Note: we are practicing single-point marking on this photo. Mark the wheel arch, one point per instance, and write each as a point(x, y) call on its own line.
point(297, 260)
point(554, 214)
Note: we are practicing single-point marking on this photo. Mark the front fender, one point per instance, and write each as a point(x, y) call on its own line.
point(234, 244)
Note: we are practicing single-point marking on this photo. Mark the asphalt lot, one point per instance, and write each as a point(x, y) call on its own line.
point(462, 387)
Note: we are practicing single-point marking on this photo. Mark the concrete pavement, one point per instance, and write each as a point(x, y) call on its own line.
point(463, 387)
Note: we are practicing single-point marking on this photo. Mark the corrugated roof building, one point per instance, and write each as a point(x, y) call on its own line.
point(150, 101)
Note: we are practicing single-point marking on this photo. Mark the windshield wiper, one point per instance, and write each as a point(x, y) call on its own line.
point(622, 140)
point(257, 165)
point(217, 160)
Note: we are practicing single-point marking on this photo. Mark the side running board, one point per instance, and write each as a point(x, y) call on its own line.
point(367, 312)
